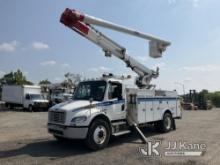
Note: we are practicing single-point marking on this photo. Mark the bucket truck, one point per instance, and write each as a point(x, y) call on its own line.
point(107, 107)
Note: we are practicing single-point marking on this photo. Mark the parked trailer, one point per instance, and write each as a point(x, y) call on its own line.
point(26, 96)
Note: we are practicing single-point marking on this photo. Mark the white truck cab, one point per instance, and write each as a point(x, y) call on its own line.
point(105, 107)
point(34, 101)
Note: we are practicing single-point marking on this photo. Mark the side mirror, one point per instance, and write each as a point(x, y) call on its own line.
point(27, 97)
point(90, 100)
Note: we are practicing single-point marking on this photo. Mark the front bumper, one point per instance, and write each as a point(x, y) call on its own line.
point(70, 132)
point(41, 106)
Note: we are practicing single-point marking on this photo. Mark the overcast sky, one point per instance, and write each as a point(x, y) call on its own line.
point(33, 40)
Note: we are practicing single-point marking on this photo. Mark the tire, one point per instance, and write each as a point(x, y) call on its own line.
point(30, 108)
point(165, 125)
point(11, 107)
point(7, 105)
point(98, 135)
point(58, 138)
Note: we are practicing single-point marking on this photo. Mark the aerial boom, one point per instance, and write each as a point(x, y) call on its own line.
point(99, 22)
point(81, 23)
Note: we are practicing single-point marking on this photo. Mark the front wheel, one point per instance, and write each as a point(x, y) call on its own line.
point(58, 138)
point(11, 106)
point(30, 108)
point(98, 135)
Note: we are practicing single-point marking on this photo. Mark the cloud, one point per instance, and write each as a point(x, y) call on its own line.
point(40, 46)
point(160, 65)
point(48, 63)
point(100, 69)
point(8, 47)
point(195, 3)
point(57, 79)
point(26, 73)
point(142, 58)
point(65, 65)
point(188, 79)
point(12, 46)
point(171, 2)
point(2, 73)
point(201, 68)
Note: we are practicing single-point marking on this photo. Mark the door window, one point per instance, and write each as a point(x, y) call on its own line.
point(27, 97)
point(115, 91)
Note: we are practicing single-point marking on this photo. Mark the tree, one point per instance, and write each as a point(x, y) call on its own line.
point(71, 80)
point(15, 78)
point(44, 82)
point(215, 97)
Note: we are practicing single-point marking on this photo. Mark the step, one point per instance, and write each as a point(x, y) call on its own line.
point(118, 123)
point(121, 133)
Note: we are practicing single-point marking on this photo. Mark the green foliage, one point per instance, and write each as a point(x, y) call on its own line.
point(215, 97)
point(204, 96)
point(15, 78)
point(44, 82)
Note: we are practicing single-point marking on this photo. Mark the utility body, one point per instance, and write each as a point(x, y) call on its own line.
point(107, 106)
point(26, 96)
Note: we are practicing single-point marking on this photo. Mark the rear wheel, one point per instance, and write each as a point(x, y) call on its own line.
point(166, 124)
point(98, 135)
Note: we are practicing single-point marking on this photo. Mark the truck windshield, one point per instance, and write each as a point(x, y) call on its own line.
point(90, 90)
point(36, 97)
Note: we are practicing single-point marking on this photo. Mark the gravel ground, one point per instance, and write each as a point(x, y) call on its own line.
point(24, 140)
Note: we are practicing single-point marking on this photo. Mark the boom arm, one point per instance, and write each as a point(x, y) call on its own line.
point(81, 23)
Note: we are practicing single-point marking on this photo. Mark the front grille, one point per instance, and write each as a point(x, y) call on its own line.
point(57, 117)
point(41, 105)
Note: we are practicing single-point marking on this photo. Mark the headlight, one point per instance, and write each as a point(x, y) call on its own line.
point(78, 119)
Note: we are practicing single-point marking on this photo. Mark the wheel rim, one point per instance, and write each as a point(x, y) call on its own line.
point(100, 134)
point(167, 123)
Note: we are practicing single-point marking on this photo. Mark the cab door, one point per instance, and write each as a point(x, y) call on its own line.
point(26, 101)
point(116, 102)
